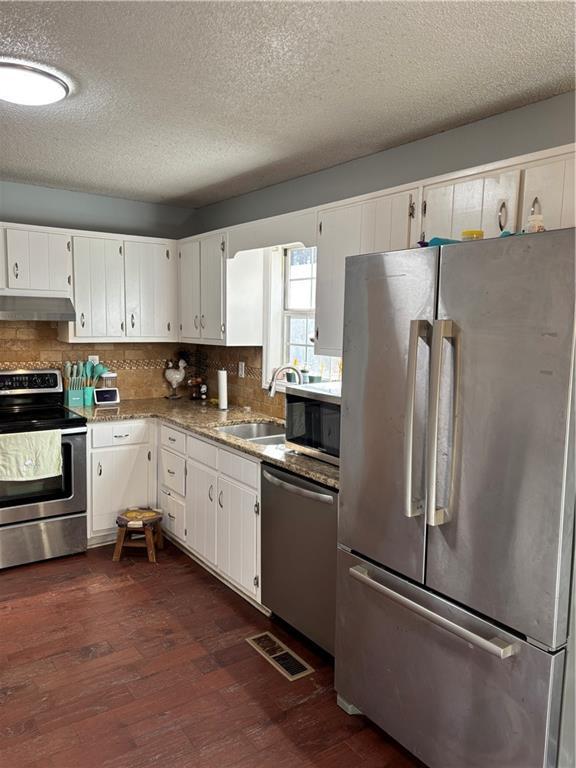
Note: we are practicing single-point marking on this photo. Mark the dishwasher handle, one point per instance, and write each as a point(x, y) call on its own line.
point(323, 498)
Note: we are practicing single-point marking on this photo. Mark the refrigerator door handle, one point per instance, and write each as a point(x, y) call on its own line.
point(442, 329)
point(419, 329)
point(496, 646)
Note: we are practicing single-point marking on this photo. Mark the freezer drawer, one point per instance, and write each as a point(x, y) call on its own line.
point(455, 690)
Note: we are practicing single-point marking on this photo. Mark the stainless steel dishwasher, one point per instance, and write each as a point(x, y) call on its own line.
point(299, 537)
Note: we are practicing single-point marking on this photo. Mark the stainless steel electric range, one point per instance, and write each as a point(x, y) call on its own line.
point(45, 518)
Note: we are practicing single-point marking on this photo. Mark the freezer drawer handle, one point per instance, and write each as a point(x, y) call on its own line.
point(495, 646)
point(442, 329)
point(323, 498)
point(419, 329)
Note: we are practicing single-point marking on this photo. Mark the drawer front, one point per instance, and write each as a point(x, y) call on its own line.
point(119, 433)
point(202, 452)
point(173, 472)
point(171, 438)
point(238, 468)
point(448, 699)
point(174, 514)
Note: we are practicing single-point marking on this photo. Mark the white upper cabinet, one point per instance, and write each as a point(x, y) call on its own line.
point(98, 288)
point(544, 192)
point(38, 261)
point(189, 256)
point(221, 296)
point(380, 224)
point(151, 291)
point(489, 203)
point(299, 227)
point(339, 236)
point(212, 256)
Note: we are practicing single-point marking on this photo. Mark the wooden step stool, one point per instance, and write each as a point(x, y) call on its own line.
point(139, 520)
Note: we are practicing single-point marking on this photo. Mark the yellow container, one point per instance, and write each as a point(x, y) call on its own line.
point(472, 234)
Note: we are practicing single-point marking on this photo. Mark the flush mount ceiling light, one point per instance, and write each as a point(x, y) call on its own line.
point(30, 85)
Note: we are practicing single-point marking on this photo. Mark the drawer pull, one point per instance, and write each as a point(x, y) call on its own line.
point(172, 439)
point(166, 493)
point(496, 646)
point(171, 516)
point(171, 472)
point(121, 437)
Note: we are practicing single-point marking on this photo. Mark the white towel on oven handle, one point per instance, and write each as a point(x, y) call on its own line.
point(30, 455)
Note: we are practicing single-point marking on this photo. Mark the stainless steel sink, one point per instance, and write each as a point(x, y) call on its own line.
point(269, 440)
point(255, 431)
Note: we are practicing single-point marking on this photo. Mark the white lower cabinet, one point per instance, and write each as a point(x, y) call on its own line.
point(120, 478)
point(236, 534)
point(201, 492)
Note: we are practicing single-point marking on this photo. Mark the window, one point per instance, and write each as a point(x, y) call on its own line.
point(299, 324)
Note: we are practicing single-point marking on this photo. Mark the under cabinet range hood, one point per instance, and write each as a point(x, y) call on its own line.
point(36, 308)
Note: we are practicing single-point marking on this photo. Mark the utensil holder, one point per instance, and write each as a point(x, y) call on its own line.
point(88, 396)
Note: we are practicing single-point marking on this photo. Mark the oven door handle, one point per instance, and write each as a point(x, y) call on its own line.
point(324, 498)
point(75, 431)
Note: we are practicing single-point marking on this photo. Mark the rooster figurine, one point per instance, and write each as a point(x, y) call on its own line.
point(175, 377)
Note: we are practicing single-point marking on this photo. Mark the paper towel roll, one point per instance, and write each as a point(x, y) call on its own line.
point(223, 390)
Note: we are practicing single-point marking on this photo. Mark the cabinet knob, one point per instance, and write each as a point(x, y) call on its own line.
point(196, 322)
point(317, 333)
point(168, 325)
point(68, 246)
point(222, 328)
point(535, 205)
point(69, 279)
point(99, 469)
point(211, 493)
point(82, 320)
point(122, 326)
point(202, 321)
point(132, 321)
point(16, 270)
point(220, 502)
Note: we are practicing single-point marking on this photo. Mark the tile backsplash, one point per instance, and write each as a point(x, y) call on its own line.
point(140, 366)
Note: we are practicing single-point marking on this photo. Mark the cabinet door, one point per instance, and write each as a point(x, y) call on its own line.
point(437, 212)
point(165, 293)
point(190, 290)
point(392, 222)
point(340, 235)
point(18, 258)
point(60, 262)
point(120, 479)
point(212, 255)
point(201, 492)
point(543, 192)
point(98, 287)
point(114, 288)
point(467, 206)
point(568, 218)
point(39, 263)
point(236, 534)
point(149, 257)
point(500, 203)
point(82, 287)
point(132, 283)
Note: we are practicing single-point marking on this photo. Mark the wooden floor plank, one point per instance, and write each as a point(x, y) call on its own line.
point(131, 665)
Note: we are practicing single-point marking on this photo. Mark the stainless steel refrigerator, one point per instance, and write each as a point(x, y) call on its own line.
point(456, 519)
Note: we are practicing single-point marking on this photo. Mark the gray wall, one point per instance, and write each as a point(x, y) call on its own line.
point(29, 204)
point(548, 123)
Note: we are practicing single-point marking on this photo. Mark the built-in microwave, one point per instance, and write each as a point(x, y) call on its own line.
point(313, 420)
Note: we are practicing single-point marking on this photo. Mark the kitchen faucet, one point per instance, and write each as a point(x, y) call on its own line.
point(277, 371)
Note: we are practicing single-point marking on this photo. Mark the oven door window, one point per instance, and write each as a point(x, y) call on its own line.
point(20, 493)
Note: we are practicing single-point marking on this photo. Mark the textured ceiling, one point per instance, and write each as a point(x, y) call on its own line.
point(194, 102)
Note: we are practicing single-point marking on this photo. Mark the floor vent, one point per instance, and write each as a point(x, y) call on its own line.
point(281, 657)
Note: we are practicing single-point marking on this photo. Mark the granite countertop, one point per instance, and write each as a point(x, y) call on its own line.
point(203, 420)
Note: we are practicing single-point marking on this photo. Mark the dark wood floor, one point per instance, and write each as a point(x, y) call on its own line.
point(129, 665)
